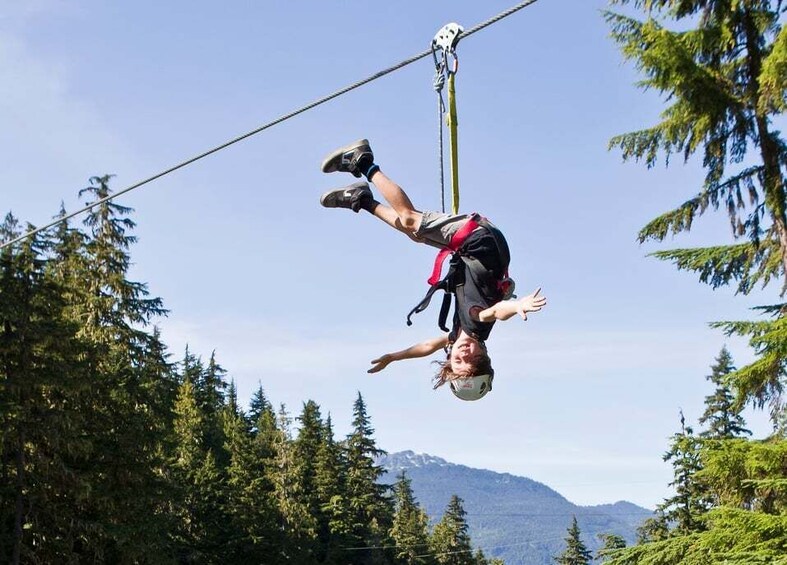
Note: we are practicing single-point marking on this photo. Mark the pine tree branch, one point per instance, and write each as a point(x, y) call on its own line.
point(746, 263)
point(761, 382)
point(733, 192)
point(707, 100)
point(773, 78)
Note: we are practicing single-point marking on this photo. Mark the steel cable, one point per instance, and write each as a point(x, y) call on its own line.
point(277, 121)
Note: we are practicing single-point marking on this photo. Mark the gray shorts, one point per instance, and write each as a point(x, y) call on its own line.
point(437, 229)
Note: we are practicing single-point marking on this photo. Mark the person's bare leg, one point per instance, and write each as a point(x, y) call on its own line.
point(390, 217)
point(408, 217)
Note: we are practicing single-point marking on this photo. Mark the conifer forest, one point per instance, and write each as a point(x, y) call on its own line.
point(114, 453)
point(115, 449)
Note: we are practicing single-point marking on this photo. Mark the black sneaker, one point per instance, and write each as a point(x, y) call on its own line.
point(348, 158)
point(348, 197)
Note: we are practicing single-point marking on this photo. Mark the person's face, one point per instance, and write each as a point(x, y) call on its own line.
point(464, 355)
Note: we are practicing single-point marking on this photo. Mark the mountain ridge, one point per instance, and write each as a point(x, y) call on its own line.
point(517, 519)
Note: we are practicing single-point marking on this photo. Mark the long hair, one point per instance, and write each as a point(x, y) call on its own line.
point(483, 366)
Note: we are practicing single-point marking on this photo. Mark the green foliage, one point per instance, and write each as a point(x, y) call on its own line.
point(286, 474)
point(109, 453)
point(690, 502)
point(450, 541)
point(93, 430)
point(732, 536)
point(762, 381)
point(306, 448)
point(410, 525)
point(199, 504)
point(708, 107)
point(734, 194)
point(330, 477)
point(773, 78)
point(653, 529)
point(746, 474)
point(721, 415)
point(250, 505)
point(746, 482)
point(724, 78)
point(370, 510)
point(43, 379)
point(575, 553)
point(612, 543)
point(746, 264)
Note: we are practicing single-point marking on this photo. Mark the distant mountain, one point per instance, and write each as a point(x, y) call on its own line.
point(513, 518)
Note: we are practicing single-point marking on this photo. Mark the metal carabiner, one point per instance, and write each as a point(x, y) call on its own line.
point(445, 40)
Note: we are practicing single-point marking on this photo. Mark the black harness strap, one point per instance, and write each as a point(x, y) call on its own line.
point(424, 304)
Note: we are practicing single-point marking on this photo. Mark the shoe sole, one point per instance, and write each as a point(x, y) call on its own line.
point(332, 162)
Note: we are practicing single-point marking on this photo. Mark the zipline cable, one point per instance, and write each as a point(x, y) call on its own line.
point(279, 120)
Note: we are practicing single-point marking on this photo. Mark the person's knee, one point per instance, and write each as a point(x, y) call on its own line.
point(410, 220)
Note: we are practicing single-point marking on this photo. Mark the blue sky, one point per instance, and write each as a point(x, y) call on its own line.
point(300, 298)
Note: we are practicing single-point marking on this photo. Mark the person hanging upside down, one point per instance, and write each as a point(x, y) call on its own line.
point(477, 277)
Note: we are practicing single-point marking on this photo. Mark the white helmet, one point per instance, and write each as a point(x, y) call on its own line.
point(471, 388)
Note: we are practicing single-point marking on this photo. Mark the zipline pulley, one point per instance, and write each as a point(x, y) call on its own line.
point(446, 67)
point(448, 36)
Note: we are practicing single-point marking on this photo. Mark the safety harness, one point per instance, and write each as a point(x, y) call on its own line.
point(503, 287)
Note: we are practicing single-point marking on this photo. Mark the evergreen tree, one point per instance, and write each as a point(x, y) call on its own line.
point(725, 78)
point(307, 448)
point(127, 492)
point(258, 406)
point(612, 543)
point(114, 306)
point(330, 483)
point(297, 524)
point(254, 532)
point(210, 390)
point(68, 264)
point(43, 379)
point(653, 529)
point(200, 506)
point(724, 74)
point(410, 525)
point(747, 475)
point(231, 404)
point(450, 542)
point(690, 501)
point(370, 511)
point(191, 369)
point(209, 386)
point(721, 415)
point(576, 553)
point(265, 432)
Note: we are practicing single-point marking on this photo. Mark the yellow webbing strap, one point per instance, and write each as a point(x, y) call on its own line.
point(452, 123)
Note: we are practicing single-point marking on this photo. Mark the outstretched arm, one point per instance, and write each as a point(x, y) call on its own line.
point(418, 350)
point(504, 309)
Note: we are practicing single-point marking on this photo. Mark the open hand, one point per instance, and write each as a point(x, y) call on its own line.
point(530, 303)
point(380, 363)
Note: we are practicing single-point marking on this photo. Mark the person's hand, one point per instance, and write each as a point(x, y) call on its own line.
point(380, 363)
point(530, 303)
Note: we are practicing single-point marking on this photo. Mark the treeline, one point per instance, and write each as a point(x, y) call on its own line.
point(111, 453)
point(729, 499)
point(722, 68)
